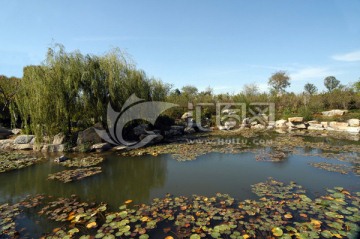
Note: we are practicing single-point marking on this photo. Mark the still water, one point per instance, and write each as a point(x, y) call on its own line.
point(146, 177)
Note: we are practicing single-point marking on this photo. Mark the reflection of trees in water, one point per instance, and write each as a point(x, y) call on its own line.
point(134, 178)
point(122, 179)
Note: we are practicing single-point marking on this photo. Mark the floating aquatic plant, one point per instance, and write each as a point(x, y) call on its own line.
point(75, 175)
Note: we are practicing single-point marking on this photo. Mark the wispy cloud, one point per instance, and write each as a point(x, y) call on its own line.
point(310, 73)
point(351, 56)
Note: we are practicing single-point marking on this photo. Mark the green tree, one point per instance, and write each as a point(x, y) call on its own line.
point(310, 89)
point(331, 83)
point(279, 81)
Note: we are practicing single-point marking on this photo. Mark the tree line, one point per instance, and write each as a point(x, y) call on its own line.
point(70, 91)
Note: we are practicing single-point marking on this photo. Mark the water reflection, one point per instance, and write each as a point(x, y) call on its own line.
point(146, 177)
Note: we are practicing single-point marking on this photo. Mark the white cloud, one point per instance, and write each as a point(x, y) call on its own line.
point(351, 56)
point(310, 73)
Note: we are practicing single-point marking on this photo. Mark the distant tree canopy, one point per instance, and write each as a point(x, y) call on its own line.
point(331, 83)
point(71, 87)
point(279, 81)
point(310, 88)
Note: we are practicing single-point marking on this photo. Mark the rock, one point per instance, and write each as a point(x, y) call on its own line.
point(23, 139)
point(253, 123)
point(101, 147)
point(120, 148)
point(23, 147)
point(300, 126)
point(354, 122)
point(324, 124)
point(140, 129)
point(51, 148)
point(336, 112)
point(296, 119)
point(313, 122)
point(59, 138)
point(16, 131)
point(230, 124)
point(6, 144)
point(88, 136)
point(189, 130)
point(335, 124)
point(258, 126)
point(353, 129)
point(4, 133)
point(318, 125)
point(61, 159)
point(313, 127)
point(280, 123)
point(223, 127)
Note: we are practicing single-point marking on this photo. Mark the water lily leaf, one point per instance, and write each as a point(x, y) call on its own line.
point(144, 236)
point(326, 234)
point(195, 236)
point(277, 231)
point(91, 225)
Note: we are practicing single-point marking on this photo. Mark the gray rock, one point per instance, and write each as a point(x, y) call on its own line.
point(4, 133)
point(23, 139)
point(88, 136)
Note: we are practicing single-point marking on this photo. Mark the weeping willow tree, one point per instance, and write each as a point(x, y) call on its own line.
point(8, 90)
point(71, 87)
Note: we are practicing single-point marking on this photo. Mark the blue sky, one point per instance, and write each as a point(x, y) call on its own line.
point(222, 44)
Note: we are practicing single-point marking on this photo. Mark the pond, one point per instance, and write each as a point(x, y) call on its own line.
point(144, 178)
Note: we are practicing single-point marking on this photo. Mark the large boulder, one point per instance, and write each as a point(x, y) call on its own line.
point(354, 122)
point(59, 139)
point(4, 133)
point(23, 139)
point(336, 112)
point(88, 136)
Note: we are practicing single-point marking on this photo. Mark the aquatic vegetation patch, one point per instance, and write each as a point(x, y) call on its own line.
point(87, 161)
point(75, 174)
point(188, 151)
point(282, 211)
point(12, 161)
point(7, 222)
point(338, 168)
